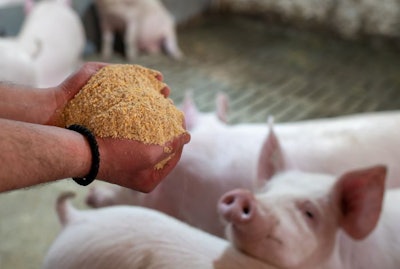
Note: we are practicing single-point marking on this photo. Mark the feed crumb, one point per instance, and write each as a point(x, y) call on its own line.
point(161, 164)
point(167, 149)
point(125, 101)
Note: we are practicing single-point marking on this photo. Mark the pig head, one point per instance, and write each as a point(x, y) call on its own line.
point(195, 120)
point(295, 219)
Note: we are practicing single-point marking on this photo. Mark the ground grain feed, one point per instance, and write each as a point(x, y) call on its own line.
point(125, 101)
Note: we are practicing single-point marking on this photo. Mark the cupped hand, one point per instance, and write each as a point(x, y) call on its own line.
point(135, 165)
point(128, 163)
point(74, 83)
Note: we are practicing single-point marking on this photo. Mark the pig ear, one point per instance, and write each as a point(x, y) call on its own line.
point(190, 110)
point(360, 197)
point(222, 107)
point(28, 6)
point(271, 157)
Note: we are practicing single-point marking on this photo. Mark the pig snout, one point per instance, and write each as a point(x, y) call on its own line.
point(237, 206)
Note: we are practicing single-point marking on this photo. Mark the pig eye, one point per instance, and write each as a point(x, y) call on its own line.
point(309, 211)
point(309, 214)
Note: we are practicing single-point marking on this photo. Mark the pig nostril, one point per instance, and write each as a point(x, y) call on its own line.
point(229, 200)
point(246, 210)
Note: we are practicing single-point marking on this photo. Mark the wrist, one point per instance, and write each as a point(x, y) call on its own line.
point(105, 165)
point(95, 160)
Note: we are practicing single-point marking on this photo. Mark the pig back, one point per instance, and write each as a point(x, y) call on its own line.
point(125, 237)
point(336, 145)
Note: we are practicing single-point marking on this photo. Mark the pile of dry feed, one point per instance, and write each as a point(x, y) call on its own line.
point(125, 101)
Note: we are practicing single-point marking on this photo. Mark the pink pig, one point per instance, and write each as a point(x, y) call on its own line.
point(56, 29)
point(223, 157)
point(316, 221)
point(147, 26)
point(16, 63)
point(48, 47)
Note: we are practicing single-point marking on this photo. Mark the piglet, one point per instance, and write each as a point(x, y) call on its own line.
point(126, 237)
point(16, 63)
point(48, 47)
point(147, 26)
point(57, 30)
point(316, 221)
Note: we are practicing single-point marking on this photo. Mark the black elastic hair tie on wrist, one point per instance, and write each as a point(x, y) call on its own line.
point(94, 148)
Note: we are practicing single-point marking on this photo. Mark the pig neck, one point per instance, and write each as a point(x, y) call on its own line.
point(336, 260)
point(347, 254)
point(234, 259)
point(379, 250)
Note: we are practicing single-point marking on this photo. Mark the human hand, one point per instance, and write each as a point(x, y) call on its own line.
point(132, 164)
point(126, 162)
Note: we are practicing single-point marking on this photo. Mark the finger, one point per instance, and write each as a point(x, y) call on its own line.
point(169, 166)
point(165, 91)
point(176, 144)
point(159, 76)
point(172, 157)
point(183, 139)
point(77, 80)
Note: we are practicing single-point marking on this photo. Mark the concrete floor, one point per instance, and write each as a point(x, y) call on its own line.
point(264, 69)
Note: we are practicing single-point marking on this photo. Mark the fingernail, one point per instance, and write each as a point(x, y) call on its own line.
point(160, 76)
point(186, 138)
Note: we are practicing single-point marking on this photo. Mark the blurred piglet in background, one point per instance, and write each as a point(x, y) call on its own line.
point(17, 63)
point(147, 26)
point(222, 157)
point(48, 47)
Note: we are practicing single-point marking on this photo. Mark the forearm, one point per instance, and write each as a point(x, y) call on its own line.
point(31, 154)
point(27, 104)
